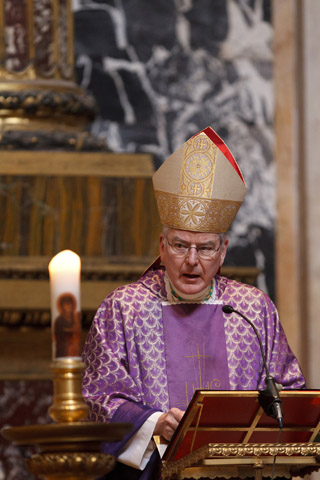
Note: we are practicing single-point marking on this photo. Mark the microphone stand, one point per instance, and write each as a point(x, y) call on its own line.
point(269, 398)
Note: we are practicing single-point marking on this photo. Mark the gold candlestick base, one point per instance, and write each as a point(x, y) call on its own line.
point(68, 403)
point(68, 451)
point(71, 448)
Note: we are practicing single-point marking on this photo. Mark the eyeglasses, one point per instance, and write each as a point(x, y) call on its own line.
point(180, 249)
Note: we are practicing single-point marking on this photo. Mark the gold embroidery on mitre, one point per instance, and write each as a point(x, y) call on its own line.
point(198, 167)
point(197, 214)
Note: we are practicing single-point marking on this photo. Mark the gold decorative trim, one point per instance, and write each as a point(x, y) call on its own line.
point(45, 101)
point(238, 451)
point(84, 464)
point(68, 450)
point(196, 214)
point(262, 449)
point(198, 167)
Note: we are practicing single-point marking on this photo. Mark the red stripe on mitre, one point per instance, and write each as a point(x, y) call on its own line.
point(214, 137)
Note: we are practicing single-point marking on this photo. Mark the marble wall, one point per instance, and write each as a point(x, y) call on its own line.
point(21, 403)
point(163, 70)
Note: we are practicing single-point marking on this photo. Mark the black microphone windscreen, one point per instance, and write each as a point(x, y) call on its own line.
point(227, 309)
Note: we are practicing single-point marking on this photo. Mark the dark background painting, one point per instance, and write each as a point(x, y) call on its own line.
point(161, 71)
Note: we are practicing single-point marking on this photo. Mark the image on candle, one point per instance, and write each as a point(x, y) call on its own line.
point(67, 327)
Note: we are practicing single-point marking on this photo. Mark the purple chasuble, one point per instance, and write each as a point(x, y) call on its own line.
point(195, 350)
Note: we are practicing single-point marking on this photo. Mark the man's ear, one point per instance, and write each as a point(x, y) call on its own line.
point(224, 251)
point(161, 245)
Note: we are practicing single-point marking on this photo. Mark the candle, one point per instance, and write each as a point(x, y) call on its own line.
point(64, 272)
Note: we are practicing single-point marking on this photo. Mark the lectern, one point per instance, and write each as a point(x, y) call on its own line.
point(227, 434)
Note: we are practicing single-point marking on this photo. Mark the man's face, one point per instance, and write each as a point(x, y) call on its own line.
point(191, 274)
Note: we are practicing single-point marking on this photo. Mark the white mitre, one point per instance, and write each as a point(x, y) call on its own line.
point(200, 186)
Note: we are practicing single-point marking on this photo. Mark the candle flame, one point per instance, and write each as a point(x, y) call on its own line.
point(65, 260)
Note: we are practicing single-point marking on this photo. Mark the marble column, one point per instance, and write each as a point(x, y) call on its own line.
point(287, 82)
point(297, 122)
point(310, 228)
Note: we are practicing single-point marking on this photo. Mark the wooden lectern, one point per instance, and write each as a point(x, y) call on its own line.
point(227, 434)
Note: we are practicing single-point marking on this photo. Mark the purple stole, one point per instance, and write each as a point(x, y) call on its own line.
point(196, 354)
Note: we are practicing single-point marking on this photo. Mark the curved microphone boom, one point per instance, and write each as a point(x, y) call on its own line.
point(269, 398)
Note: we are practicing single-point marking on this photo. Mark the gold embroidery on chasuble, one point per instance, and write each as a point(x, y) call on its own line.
point(199, 372)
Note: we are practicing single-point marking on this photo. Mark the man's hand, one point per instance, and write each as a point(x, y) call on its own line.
point(168, 422)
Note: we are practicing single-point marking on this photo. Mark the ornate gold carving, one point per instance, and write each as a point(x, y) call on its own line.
point(32, 120)
point(262, 449)
point(45, 140)
point(253, 452)
point(85, 464)
point(43, 101)
point(70, 449)
point(186, 212)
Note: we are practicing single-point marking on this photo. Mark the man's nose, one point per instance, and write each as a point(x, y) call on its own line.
point(192, 256)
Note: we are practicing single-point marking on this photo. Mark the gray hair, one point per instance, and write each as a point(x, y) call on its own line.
point(222, 236)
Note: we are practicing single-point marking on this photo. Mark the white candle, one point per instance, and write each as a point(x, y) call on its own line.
point(64, 272)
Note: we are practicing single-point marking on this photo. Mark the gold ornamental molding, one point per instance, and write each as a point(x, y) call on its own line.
point(51, 465)
point(69, 449)
point(297, 458)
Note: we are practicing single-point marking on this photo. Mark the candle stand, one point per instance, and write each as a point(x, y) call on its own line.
point(69, 448)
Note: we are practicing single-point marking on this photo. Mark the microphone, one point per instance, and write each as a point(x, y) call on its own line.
point(269, 398)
